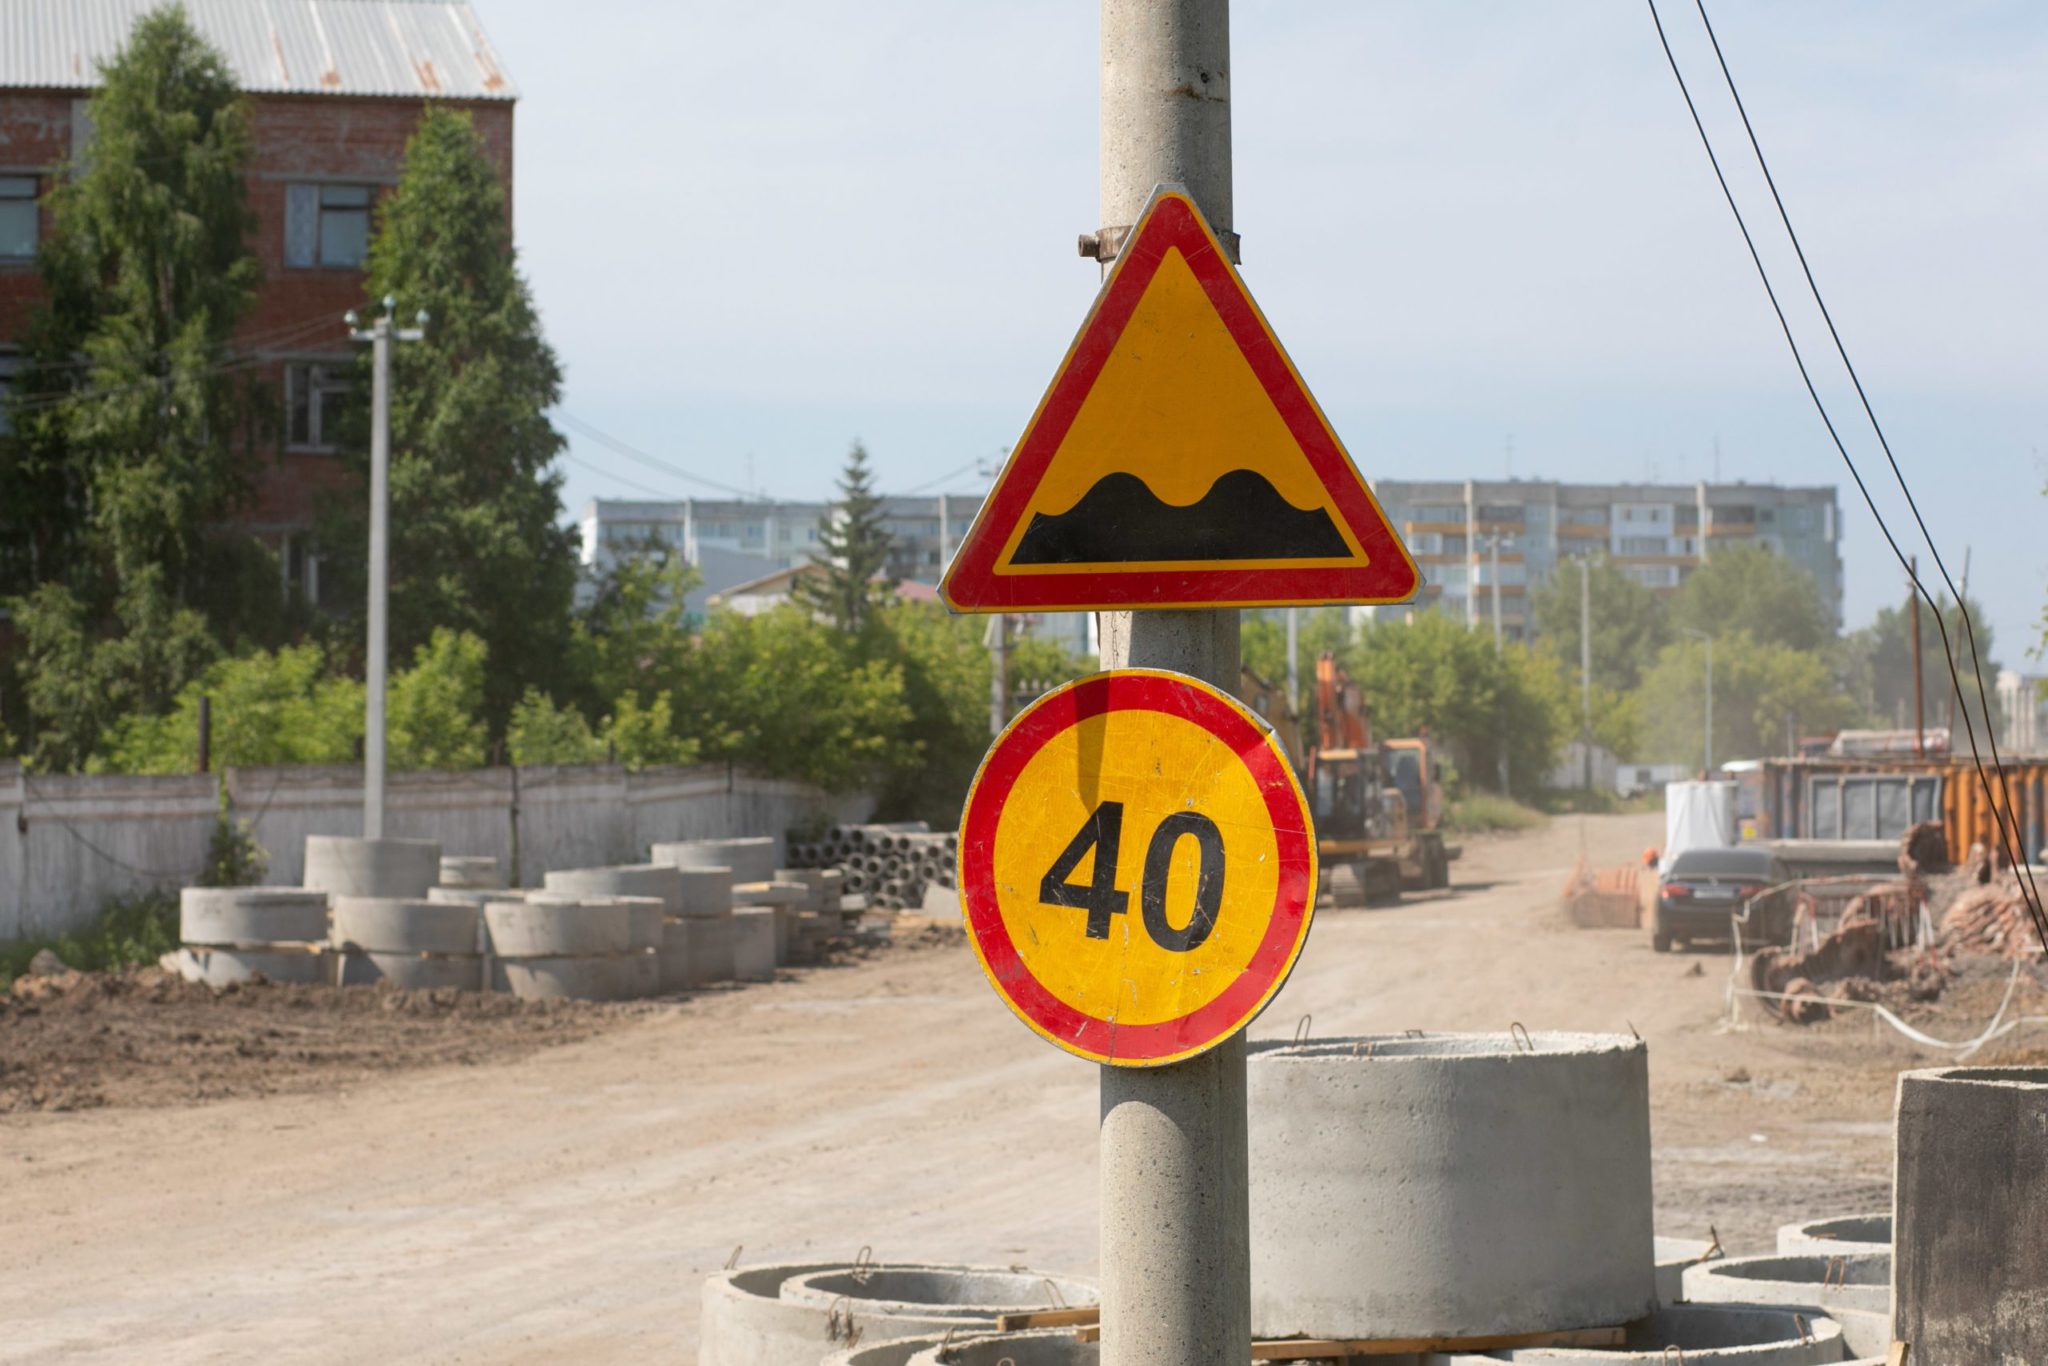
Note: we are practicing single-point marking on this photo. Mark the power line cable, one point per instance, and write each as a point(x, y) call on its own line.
point(2030, 895)
point(1962, 605)
point(653, 462)
point(930, 484)
point(633, 484)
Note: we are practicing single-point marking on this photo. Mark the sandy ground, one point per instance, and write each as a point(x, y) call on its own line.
point(563, 1203)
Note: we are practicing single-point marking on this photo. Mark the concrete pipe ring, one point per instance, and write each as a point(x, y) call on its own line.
point(252, 915)
point(1512, 1173)
point(705, 891)
point(343, 866)
point(1856, 1281)
point(1847, 1233)
point(230, 967)
point(974, 1294)
point(663, 881)
point(1033, 1347)
point(1700, 1335)
point(553, 926)
point(620, 977)
point(412, 971)
point(393, 925)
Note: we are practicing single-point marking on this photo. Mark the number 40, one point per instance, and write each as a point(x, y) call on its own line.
point(1103, 832)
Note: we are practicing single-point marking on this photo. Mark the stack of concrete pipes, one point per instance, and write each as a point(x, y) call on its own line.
point(1439, 1186)
point(793, 1315)
point(891, 865)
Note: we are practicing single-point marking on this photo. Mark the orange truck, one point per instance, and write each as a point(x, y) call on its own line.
point(1378, 806)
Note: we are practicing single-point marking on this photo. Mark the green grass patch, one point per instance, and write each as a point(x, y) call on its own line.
point(1489, 813)
point(138, 928)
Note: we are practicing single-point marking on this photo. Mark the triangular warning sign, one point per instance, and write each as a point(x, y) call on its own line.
point(1177, 459)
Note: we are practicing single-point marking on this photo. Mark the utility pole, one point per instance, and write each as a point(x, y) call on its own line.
point(1493, 579)
point(1586, 668)
point(379, 334)
point(1919, 699)
point(1175, 1211)
point(998, 673)
point(1293, 659)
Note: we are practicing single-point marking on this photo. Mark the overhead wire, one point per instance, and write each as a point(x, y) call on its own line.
point(1884, 444)
point(653, 462)
point(2029, 893)
point(930, 484)
point(600, 471)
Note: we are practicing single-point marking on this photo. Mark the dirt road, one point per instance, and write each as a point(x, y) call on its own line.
point(564, 1205)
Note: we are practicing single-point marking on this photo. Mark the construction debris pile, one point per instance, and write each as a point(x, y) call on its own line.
point(1989, 918)
point(891, 865)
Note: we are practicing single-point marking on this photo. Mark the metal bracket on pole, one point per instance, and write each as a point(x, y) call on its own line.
point(1104, 244)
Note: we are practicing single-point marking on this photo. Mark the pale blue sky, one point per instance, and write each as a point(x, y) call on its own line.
point(758, 231)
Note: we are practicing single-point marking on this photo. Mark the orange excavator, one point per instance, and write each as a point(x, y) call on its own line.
point(1378, 807)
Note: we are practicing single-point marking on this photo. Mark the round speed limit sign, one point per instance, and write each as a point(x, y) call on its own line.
point(1137, 866)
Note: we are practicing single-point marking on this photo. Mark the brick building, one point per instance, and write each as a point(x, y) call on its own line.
point(334, 89)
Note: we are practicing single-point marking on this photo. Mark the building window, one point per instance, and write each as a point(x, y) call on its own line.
point(1645, 545)
point(327, 225)
point(17, 217)
point(10, 371)
point(316, 393)
point(1440, 512)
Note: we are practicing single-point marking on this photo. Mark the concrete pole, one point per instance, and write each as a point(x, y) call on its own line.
point(999, 674)
point(380, 334)
point(1294, 659)
point(380, 573)
point(1586, 666)
point(1176, 1277)
point(1710, 706)
point(1919, 696)
point(1493, 581)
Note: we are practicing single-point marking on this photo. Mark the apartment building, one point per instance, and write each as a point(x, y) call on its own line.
point(334, 87)
point(1482, 542)
point(732, 542)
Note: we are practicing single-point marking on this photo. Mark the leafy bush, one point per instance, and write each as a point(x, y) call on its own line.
point(138, 928)
point(267, 708)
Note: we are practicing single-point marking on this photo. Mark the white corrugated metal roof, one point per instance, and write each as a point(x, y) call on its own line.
point(417, 48)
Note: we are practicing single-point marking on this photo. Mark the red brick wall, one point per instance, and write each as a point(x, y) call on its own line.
point(295, 137)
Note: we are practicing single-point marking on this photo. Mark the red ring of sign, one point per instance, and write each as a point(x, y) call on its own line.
point(1268, 966)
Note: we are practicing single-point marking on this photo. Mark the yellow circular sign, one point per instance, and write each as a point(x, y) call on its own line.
point(1137, 866)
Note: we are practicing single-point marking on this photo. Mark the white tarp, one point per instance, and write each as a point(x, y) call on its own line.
point(1698, 816)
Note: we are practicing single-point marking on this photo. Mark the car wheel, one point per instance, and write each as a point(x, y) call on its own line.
point(1661, 942)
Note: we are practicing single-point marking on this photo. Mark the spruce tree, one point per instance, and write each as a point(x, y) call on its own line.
point(477, 539)
point(131, 448)
point(852, 578)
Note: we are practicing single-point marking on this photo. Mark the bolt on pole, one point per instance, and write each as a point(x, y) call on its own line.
point(1175, 1217)
point(379, 335)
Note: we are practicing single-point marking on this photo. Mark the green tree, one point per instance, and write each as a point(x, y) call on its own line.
point(1630, 623)
point(635, 635)
point(132, 442)
point(645, 736)
point(1480, 702)
point(267, 708)
point(477, 543)
point(1748, 588)
point(1263, 647)
point(787, 695)
point(81, 677)
point(542, 732)
point(853, 580)
point(1763, 692)
point(945, 671)
point(1877, 663)
point(434, 715)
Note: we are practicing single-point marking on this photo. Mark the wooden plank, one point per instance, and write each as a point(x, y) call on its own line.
point(1049, 1318)
point(1897, 1355)
point(1313, 1349)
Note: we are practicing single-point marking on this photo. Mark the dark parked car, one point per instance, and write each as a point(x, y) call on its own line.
point(1702, 890)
